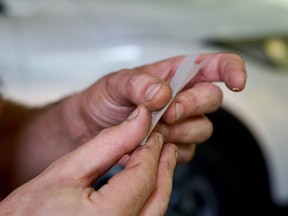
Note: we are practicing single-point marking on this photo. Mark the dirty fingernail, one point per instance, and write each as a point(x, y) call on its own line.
point(178, 111)
point(176, 154)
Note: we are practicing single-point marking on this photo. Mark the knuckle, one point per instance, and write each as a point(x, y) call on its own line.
point(138, 83)
point(210, 95)
point(191, 101)
point(135, 81)
point(217, 94)
point(151, 177)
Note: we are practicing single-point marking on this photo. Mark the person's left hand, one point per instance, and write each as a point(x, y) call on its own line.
point(143, 187)
point(112, 98)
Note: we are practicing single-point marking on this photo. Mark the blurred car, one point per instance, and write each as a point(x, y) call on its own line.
point(50, 49)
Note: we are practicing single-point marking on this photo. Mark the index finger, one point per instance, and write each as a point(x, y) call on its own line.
point(130, 189)
point(222, 67)
point(219, 67)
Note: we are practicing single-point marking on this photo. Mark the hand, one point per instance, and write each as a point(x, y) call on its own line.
point(64, 188)
point(112, 98)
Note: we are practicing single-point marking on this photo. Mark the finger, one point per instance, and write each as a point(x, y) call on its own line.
point(219, 67)
point(159, 200)
point(193, 130)
point(186, 152)
point(164, 69)
point(201, 99)
point(222, 67)
point(128, 190)
point(136, 87)
point(124, 160)
point(94, 158)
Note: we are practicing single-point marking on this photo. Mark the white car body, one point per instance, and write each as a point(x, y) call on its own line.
point(52, 48)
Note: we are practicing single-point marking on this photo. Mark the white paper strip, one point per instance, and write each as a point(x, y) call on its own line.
point(184, 73)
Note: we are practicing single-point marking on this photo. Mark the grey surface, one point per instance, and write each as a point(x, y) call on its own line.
point(53, 48)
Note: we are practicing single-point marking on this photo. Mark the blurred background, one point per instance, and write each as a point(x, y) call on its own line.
point(50, 49)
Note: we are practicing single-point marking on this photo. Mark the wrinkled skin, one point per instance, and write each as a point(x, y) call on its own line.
point(64, 188)
point(93, 126)
point(114, 97)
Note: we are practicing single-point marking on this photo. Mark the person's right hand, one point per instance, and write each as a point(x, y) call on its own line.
point(64, 188)
point(112, 98)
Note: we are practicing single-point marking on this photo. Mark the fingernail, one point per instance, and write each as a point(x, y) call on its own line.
point(134, 114)
point(235, 89)
point(152, 90)
point(160, 138)
point(178, 111)
point(177, 154)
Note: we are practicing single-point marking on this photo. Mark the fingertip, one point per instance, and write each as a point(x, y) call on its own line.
point(173, 149)
point(186, 153)
point(143, 88)
point(168, 159)
point(161, 98)
point(237, 75)
point(237, 80)
point(142, 112)
point(155, 138)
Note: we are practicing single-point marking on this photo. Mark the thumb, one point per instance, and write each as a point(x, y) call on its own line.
point(90, 161)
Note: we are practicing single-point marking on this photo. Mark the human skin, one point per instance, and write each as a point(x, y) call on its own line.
point(64, 188)
point(50, 132)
